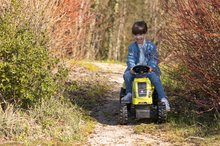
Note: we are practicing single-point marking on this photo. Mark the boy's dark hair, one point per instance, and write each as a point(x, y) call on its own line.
point(139, 27)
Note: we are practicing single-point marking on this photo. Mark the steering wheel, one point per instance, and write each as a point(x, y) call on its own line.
point(140, 69)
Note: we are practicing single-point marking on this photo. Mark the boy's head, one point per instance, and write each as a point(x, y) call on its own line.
point(139, 29)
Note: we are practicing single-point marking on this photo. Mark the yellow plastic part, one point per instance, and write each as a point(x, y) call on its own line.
point(148, 99)
point(123, 85)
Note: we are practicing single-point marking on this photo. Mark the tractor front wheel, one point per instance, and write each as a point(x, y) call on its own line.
point(162, 113)
point(123, 119)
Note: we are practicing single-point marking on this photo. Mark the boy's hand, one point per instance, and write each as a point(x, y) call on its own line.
point(151, 69)
point(132, 71)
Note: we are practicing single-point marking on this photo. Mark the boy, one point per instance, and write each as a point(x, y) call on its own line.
point(143, 52)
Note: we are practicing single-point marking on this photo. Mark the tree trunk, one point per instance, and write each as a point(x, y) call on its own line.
point(124, 31)
point(92, 34)
point(119, 41)
point(113, 32)
point(79, 23)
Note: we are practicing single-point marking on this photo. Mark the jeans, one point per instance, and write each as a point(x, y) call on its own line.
point(154, 78)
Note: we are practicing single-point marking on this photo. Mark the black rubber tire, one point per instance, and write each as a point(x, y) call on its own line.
point(155, 97)
point(122, 93)
point(162, 113)
point(129, 107)
point(123, 119)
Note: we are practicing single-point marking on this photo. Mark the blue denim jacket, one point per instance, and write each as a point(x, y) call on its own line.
point(150, 53)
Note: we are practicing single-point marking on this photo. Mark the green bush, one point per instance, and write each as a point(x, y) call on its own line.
point(25, 64)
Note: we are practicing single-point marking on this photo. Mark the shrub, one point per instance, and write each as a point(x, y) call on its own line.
point(192, 31)
point(25, 64)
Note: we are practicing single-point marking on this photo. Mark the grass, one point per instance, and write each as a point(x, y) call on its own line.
point(57, 121)
point(181, 133)
point(51, 120)
point(112, 62)
point(184, 125)
point(85, 65)
point(68, 121)
point(89, 62)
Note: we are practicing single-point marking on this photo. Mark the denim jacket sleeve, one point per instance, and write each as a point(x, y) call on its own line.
point(153, 56)
point(130, 57)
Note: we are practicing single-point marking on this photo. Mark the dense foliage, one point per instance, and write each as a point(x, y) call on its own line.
point(193, 33)
point(25, 63)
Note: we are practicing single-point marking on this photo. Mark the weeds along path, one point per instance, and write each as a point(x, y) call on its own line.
point(108, 131)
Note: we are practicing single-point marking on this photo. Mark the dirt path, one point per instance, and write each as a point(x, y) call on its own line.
point(108, 131)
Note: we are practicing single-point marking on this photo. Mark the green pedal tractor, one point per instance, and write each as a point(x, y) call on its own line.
point(144, 103)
